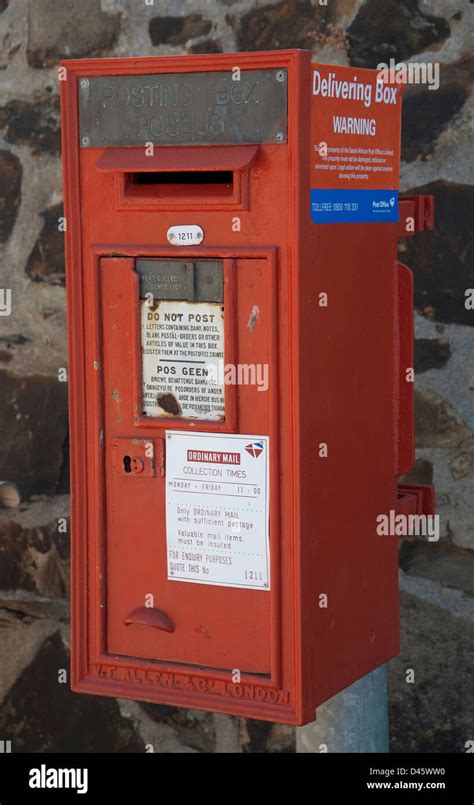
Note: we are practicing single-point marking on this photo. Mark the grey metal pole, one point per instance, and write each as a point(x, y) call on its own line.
point(356, 720)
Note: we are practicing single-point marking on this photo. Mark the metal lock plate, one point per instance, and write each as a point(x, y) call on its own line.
point(198, 281)
point(138, 458)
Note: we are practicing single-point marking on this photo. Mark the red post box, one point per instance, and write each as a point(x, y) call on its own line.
point(239, 335)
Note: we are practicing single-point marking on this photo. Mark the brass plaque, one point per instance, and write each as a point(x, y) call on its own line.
point(166, 279)
point(183, 109)
point(198, 281)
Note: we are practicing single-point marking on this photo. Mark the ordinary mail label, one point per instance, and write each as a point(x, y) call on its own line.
point(182, 350)
point(217, 509)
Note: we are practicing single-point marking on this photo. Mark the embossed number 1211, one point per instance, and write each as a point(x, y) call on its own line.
point(253, 575)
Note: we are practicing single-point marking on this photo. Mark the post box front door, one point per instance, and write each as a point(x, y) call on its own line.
point(179, 589)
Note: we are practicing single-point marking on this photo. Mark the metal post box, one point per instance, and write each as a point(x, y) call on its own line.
point(239, 338)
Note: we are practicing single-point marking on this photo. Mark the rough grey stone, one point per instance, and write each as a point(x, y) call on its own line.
point(436, 712)
point(34, 552)
point(178, 30)
point(227, 734)
point(455, 382)
point(453, 496)
point(195, 730)
point(42, 714)
point(10, 192)
point(10, 41)
point(443, 260)
point(289, 24)
point(33, 428)
point(46, 261)
point(427, 113)
point(437, 424)
point(431, 353)
point(393, 29)
point(157, 736)
point(263, 737)
point(450, 566)
point(462, 464)
point(208, 46)
point(28, 610)
point(34, 123)
point(420, 473)
point(434, 593)
point(8, 345)
point(21, 638)
point(68, 30)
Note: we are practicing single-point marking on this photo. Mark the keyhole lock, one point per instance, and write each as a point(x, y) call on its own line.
point(138, 458)
point(133, 465)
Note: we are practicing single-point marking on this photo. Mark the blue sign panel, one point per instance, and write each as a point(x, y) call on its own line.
point(354, 206)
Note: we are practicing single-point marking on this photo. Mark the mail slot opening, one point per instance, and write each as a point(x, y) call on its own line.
point(176, 184)
point(183, 177)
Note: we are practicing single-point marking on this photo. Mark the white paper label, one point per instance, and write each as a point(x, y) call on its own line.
point(217, 509)
point(182, 353)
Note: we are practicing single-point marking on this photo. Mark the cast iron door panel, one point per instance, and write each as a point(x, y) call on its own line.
point(148, 614)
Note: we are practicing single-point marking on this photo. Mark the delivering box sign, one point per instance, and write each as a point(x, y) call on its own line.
point(355, 136)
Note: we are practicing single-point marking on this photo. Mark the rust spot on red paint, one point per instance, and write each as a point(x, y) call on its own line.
point(169, 403)
point(202, 631)
point(253, 318)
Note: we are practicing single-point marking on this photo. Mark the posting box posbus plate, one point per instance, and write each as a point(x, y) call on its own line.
point(217, 509)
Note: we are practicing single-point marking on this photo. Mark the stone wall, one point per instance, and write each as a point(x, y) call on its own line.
point(38, 712)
